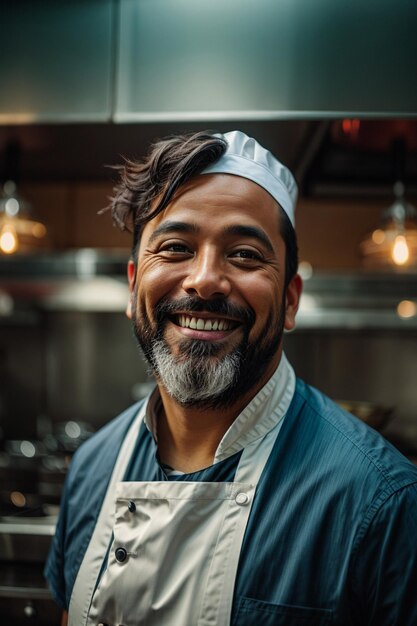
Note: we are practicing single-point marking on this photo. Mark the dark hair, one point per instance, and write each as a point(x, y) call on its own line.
point(291, 247)
point(170, 163)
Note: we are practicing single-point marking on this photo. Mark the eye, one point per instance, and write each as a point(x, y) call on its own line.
point(246, 255)
point(174, 248)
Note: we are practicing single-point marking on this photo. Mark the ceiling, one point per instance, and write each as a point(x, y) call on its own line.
point(328, 157)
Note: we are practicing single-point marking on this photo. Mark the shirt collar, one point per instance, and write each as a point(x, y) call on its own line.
point(263, 412)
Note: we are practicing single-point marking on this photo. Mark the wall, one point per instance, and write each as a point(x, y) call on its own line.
point(70, 212)
point(329, 230)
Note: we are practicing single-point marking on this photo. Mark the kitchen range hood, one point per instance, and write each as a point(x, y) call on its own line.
point(85, 82)
point(197, 61)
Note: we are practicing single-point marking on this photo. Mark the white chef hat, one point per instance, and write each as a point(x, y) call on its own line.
point(245, 157)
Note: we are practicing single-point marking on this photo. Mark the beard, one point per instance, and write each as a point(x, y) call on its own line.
point(199, 375)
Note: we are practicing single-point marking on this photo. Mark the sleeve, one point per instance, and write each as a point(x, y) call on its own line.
point(83, 494)
point(385, 571)
point(54, 568)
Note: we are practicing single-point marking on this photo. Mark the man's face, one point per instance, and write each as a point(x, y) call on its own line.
point(208, 301)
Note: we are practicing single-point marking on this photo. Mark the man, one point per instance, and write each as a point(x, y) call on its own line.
point(235, 493)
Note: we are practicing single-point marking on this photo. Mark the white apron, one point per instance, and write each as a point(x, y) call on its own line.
point(175, 548)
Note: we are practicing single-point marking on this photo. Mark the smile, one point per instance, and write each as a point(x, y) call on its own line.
point(198, 323)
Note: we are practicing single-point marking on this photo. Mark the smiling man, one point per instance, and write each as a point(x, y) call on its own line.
point(209, 304)
point(235, 493)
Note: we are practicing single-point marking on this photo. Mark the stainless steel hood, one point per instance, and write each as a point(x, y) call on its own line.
point(361, 301)
point(195, 61)
point(86, 82)
point(86, 280)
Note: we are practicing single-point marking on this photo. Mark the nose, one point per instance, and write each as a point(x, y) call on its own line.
point(206, 276)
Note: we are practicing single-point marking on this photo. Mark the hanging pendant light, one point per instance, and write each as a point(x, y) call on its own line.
point(18, 232)
point(394, 244)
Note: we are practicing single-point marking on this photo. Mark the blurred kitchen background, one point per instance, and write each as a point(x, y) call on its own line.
point(329, 87)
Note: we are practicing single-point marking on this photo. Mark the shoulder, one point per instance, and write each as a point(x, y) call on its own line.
point(352, 447)
point(84, 491)
point(100, 451)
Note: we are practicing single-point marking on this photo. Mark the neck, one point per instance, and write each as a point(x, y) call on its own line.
point(188, 437)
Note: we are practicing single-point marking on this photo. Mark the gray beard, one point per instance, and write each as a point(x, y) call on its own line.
point(196, 379)
point(198, 376)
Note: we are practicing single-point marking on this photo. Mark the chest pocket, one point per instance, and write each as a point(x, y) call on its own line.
point(252, 612)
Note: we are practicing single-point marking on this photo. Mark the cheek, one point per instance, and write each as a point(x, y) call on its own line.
point(266, 301)
point(153, 283)
point(264, 296)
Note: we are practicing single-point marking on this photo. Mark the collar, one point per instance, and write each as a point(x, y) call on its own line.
point(261, 415)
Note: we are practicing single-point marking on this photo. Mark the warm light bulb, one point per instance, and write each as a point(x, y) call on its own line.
point(406, 308)
point(378, 236)
point(8, 241)
point(18, 499)
point(400, 252)
point(38, 230)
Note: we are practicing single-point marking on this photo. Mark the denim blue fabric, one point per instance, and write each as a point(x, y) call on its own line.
point(332, 535)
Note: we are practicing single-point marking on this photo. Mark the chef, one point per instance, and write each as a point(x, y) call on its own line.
point(235, 493)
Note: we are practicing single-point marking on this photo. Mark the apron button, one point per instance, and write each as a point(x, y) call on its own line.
point(121, 555)
point(131, 506)
point(242, 498)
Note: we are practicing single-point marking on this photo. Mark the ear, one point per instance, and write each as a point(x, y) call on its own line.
point(131, 277)
point(292, 300)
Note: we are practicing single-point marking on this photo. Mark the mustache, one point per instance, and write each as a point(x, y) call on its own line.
point(192, 304)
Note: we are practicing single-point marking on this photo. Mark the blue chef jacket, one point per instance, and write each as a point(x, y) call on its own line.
point(332, 534)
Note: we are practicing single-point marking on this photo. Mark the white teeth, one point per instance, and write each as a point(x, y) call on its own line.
point(202, 324)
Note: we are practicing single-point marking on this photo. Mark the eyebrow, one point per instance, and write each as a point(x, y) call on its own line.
point(171, 226)
point(251, 231)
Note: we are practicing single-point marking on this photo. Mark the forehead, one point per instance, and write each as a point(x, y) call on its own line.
point(217, 200)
